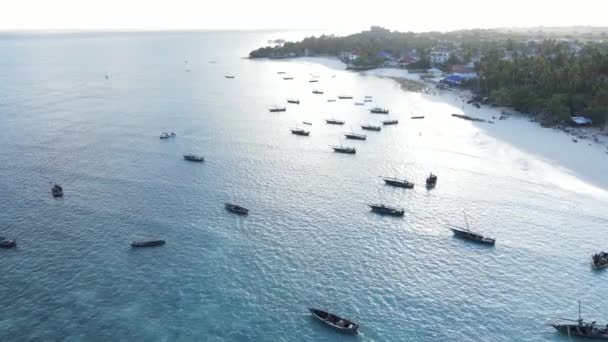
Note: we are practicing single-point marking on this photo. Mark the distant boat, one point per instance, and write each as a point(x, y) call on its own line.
point(359, 104)
point(370, 127)
point(588, 330)
point(345, 97)
point(317, 92)
point(313, 81)
point(387, 210)
point(344, 149)
point(6, 243)
point(467, 234)
point(148, 243)
point(167, 135)
point(341, 324)
point(295, 101)
point(237, 209)
point(307, 123)
point(334, 122)
point(280, 72)
point(367, 100)
point(194, 157)
point(390, 122)
point(288, 78)
point(599, 260)
point(401, 183)
point(431, 181)
point(107, 77)
point(229, 76)
point(274, 109)
point(300, 131)
point(57, 190)
point(331, 100)
point(378, 110)
point(368, 97)
point(355, 136)
point(417, 117)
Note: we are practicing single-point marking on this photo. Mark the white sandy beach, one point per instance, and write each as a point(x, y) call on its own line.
point(586, 161)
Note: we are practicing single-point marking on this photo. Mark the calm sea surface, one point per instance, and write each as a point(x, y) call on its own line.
point(310, 239)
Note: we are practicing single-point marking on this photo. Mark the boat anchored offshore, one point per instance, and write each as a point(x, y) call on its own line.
point(370, 127)
point(359, 104)
point(581, 328)
point(295, 101)
point(390, 122)
point(378, 110)
point(334, 122)
point(300, 131)
point(6, 243)
point(344, 149)
point(467, 234)
point(341, 324)
point(417, 117)
point(194, 157)
point(387, 210)
point(237, 209)
point(599, 260)
point(229, 76)
point(355, 136)
point(167, 135)
point(57, 190)
point(318, 92)
point(275, 109)
point(400, 183)
point(431, 181)
point(148, 243)
point(345, 97)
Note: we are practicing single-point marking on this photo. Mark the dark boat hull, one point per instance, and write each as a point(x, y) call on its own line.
point(236, 209)
point(344, 150)
point(338, 323)
point(355, 137)
point(384, 210)
point(8, 244)
point(470, 236)
point(153, 243)
point(371, 128)
point(399, 184)
point(585, 331)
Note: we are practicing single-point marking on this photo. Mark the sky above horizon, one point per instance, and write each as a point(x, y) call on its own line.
point(438, 15)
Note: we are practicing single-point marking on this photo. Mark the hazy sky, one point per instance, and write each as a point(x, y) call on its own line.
point(404, 15)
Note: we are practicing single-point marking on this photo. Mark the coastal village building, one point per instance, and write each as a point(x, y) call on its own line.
point(439, 55)
point(463, 71)
point(349, 56)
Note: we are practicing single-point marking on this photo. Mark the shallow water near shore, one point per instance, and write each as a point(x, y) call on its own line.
point(309, 240)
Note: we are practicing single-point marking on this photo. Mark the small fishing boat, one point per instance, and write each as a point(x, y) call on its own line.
point(378, 110)
point(288, 78)
point(588, 330)
point(275, 109)
point(57, 190)
point(237, 209)
point(467, 234)
point(341, 324)
point(6, 243)
point(229, 76)
point(355, 136)
point(334, 122)
point(300, 131)
point(370, 127)
point(359, 104)
point(417, 117)
point(313, 81)
point(318, 92)
point(599, 260)
point(331, 100)
point(431, 181)
point(367, 100)
point(345, 97)
point(368, 96)
point(344, 149)
point(148, 243)
point(307, 123)
point(295, 101)
point(400, 183)
point(280, 72)
point(194, 158)
point(167, 135)
point(387, 210)
point(390, 122)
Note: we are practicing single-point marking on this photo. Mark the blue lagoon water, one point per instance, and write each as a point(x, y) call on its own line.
point(309, 241)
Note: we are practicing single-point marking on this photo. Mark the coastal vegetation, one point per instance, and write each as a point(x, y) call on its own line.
point(550, 74)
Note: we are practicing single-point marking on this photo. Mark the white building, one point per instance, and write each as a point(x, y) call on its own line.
point(439, 56)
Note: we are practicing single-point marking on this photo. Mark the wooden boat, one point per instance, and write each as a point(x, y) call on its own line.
point(318, 92)
point(300, 131)
point(368, 96)
point(359, 104)
point(229, 76)
point(167, 135)
point(345, 97)
point(194, 158)
point(370, 127)
point(295, 101)
point(582, 329)
point(340, 324)
point(387, 210)
point(313, 81)
point(417, 117)
point(390, 122)
point(344, 149)
point(431, 181)
point(400, 183)
point(355, 136)
point(148, 243)
point(57, 190)
point(307, 123)
point(275, 109)
point(367, 100)
point(467, 234)
point(288, 78)
point(331, 100)
point(378, 110)
point(599, 260)
point(237, 209)
point(280, 72)
point(4, 243)
point(334, 122)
